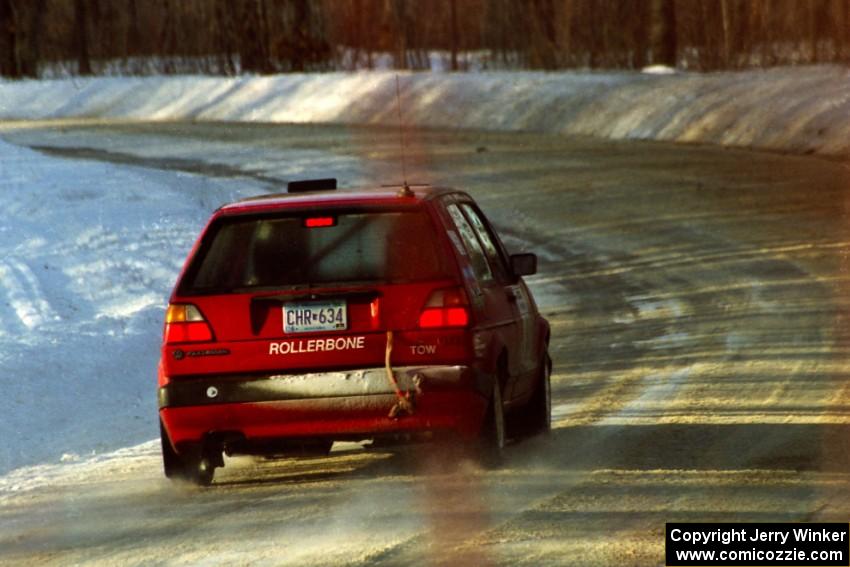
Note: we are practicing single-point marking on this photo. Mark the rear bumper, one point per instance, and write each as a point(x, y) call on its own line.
point(332, 405)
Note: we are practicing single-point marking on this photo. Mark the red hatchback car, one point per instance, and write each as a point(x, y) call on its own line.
point(391, 314)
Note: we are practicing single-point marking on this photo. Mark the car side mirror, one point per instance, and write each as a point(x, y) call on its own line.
point(524, 264)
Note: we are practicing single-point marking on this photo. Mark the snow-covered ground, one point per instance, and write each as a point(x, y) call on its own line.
point(805, 109)
point(88, 254)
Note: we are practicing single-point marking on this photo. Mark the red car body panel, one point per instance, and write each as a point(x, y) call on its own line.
point(328, 417)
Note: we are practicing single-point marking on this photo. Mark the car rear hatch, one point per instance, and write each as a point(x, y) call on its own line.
point(301, 290)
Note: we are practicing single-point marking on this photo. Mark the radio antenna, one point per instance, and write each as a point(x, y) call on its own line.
point(405, 188)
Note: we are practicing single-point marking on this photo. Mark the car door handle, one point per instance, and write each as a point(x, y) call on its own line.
point(510, 295)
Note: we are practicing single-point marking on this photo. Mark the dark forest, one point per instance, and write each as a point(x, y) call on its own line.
point(227, 37)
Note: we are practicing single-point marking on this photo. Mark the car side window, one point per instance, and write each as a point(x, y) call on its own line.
point(497, 261)
point(476, 254)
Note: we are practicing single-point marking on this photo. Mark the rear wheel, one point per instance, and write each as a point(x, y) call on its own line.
point(196, 466)
point(171, 463)
point(201, 472)
point(536, 416)
point(491, 443)
point(539, 410)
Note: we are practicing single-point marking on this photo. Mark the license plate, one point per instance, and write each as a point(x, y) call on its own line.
point(312, 316)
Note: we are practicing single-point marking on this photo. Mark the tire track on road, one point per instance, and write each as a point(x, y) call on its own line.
point(24, 296)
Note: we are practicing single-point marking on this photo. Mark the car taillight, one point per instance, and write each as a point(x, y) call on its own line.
point(445, 308)
point(318, 222)
point(185, 324)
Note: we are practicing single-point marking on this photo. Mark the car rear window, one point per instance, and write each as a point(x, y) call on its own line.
point(241, 254)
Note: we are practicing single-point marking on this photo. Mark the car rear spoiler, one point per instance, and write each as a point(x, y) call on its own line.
point(308, 185)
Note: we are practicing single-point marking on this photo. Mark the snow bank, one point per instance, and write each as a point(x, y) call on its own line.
point(789, 109)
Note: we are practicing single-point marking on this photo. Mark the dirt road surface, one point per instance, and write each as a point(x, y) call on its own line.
point(699, 301)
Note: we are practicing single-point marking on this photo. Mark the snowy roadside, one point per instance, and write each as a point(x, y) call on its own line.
point(88, 253)
point(801, 109)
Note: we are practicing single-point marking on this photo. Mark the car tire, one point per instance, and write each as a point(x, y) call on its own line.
point(172, 464)
point(195, 466)
point(491, 442)
point(202, 471)
point(535, 418)
point(540, 406)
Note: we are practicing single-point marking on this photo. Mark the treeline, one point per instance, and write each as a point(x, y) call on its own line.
point(39, 37)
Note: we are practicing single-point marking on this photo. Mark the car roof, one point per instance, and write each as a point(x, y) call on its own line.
point(383, 195)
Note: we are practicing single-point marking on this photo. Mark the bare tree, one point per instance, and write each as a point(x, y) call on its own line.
point(639, 16)
point(663, 32)
point(453, 32)
point(8, 40)
point(543, 44)
point(727, 32)
point(265, 36)
point(82, 37)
